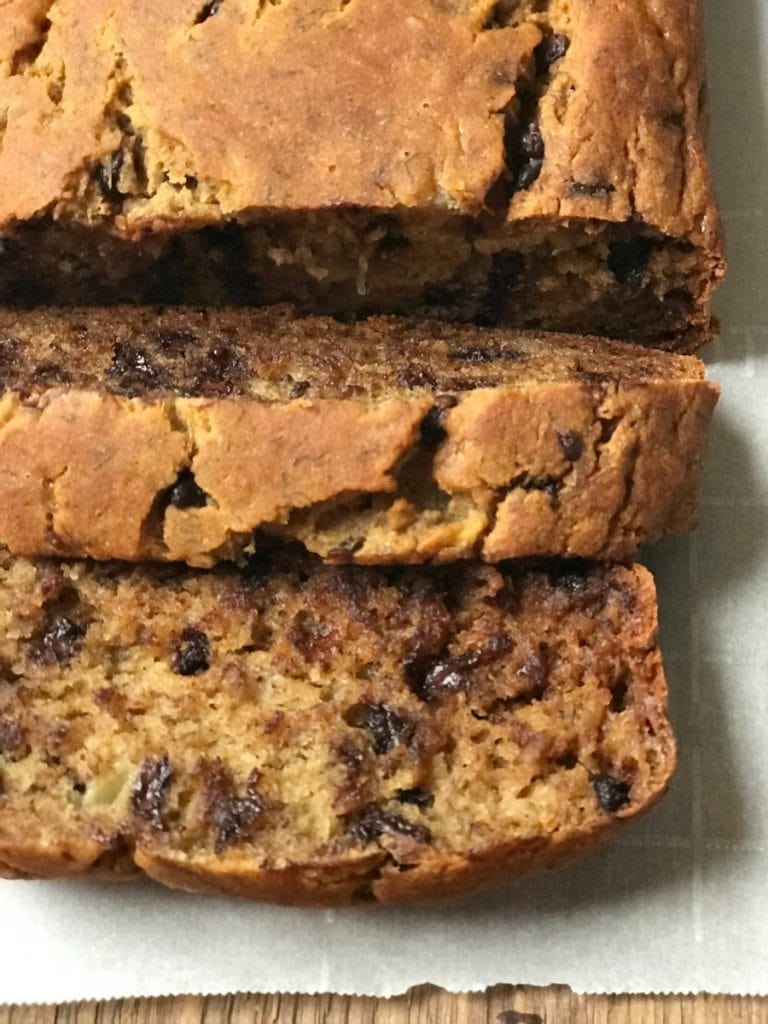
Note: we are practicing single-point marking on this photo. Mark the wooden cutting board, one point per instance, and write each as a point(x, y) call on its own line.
point(503, 1004)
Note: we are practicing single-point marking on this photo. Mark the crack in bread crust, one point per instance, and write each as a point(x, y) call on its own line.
point(386, 441)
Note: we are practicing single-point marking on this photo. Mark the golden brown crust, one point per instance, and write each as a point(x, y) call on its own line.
point(533, 731)
point(536, 445)
point(461, 156)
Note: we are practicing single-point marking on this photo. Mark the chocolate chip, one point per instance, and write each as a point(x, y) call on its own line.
point(374, 821)
point(385, 726)
point(589, 189)
point(230, 816)
point(299, 389)
point(151, 789)
point(551, 49)
point(532, 143)
point(430, 679)
point(220, 370)
point(11, 736)
point(612, 794)
point(58, 643)
point(193, 654)
point(572, 576)
point(208, 10)
point(571, 443)
point(108, 176)
point(416, 377)
point(132, 367)
point(417, 796)
point(79, 787)
point(629, 258)
point(186, 493)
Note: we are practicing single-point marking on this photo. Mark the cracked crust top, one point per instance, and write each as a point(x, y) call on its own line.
point(353, 104)
point(309, 734)
point(140, 434)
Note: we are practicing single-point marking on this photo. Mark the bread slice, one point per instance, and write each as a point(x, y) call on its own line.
point(316, 734)
point(540, 163)
point(138, 434)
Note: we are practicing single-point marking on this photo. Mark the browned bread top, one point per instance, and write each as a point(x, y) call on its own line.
point(314, 734)
point(541, 164)
point(175, 435)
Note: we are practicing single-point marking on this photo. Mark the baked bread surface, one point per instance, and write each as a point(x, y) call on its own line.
point(538, 164)
point(312, 734)
point(174, 435)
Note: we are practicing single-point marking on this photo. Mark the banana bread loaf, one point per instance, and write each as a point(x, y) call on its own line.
point(315, 734)
point(135, 433)
point(535, 163)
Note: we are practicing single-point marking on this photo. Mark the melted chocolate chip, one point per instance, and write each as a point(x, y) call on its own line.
point(531, 146)
point(384, 725)
point(612, 794)
point(193, 654)
point(589, 189)
point(186, 492)
point(438, 677)
point(151, 789)
point(551, 49)
point(417, 796)
point(629, 258)
point(208, 10)
point(11, 736)
point(220, 371)
point(58, 643)
point(571, 444)
point(375, 821)
point(132, 367)
point(108, 176)
point(230, 816)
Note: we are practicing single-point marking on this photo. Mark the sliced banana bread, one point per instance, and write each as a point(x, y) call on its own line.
point(535, 163)
point(137, 433)
point(316, 734)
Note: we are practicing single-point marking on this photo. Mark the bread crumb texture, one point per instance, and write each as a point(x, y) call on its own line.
point(312, 734)
point(175, 435)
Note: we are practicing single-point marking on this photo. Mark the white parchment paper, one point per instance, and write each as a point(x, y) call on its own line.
point(681, 902)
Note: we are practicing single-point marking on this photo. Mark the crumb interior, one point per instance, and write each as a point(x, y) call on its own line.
point(300, 713)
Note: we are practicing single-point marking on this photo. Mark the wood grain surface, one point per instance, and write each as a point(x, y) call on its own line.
point(503, 1004)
